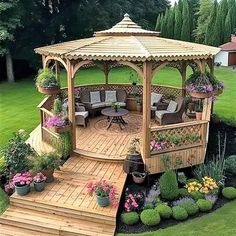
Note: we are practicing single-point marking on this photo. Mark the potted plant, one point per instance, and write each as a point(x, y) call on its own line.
point(57, 107)
point(22, 183)
point(9, 188)
point(139, 177)
point(104, 191)
point(199, 110)
point(47, 82)
point(39, 182)
point(115, 105)
point(198, 85)
point(46, 164)
point(16, 154)
point(58, 124)
point(139, 104)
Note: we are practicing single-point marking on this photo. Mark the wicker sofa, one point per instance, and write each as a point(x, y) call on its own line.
point(97, 100)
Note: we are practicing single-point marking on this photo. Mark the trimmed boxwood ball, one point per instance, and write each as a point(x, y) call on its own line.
point(179, 213)
point(150, 217)
point(191, 208)
point(164, 211)
point(169, 185)
point(130, 218)
point(229, 192)
point(196, 195)
point(183, 192)
point(204, 205)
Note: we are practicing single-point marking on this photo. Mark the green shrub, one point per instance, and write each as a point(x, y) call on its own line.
point(148, 206)
point(183, 192)
point(169, 185)
point(197, 195)
point(179, 213)
point(57, 106)
point(150, 217)
point(130, 218)
point(164, 211)
point(204, 205)
point(190, 207)
point(230, 165)
point(47, 78)
point(229, 192)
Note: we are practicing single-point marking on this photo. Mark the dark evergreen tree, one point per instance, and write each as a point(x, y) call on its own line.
point(170, 23)
point(185, 31)
point(217, 28)
point(227, 30)
point(178, 22)
point(158, 23)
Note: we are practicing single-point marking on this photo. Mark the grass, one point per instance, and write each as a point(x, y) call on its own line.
point(3, 201)
point(218, 223)
point(18, 101)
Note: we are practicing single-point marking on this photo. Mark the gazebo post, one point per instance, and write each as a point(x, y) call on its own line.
point(147, 72)
point(184, 75)
point(71, 101)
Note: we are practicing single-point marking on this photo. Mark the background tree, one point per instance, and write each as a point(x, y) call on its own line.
point(185, 31)
point(228, 27)
point(178, 22)
point(9, 21)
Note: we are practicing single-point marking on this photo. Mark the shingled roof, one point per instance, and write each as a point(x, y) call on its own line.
point(128, 41)
point(230, 46)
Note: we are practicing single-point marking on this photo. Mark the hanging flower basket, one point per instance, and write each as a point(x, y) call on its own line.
point(218, 92)
point(200, 95)
point(49, 90)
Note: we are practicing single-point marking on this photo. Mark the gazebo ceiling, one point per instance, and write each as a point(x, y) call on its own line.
point(128, 41)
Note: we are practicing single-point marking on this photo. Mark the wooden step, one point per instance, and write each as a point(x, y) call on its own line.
point(51, 224)
point(63, 211)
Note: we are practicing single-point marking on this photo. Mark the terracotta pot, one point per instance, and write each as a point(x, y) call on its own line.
point(200, 95)
point(138, 177)
point(49, 175)
point(139, 107)
point(198, 115)
point(49, 91)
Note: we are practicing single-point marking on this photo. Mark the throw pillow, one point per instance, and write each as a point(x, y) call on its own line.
point(172, 106)
point(110, 96)
point(155, 98)
point(95, 97)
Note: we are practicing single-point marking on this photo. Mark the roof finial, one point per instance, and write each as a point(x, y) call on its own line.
point(126, 15)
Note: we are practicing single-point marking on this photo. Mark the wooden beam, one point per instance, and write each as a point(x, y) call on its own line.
point(71, 101)
point(147, 75)
point(184, 75)
point(210, 63)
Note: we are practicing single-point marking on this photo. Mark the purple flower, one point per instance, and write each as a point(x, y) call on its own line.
point(55, 121)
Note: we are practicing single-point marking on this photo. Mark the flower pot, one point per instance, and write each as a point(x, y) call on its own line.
point(200, 95)
point(103, 201)
point(49, 90)
point(139, 107)
point(132, 163)
point(139, 177)
point(198, 115)
point(49, 175)
point(39, 186)
point(22, 190)
point(61, 129)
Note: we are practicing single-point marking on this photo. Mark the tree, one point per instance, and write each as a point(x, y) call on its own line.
point(164, 32)
point(217, 28)
point(185, 31)
point(232, 4)
point(210, 33)
point(178, 22)
point(203, 20)
point(9, 21)
point(227, 31)
point(158, 23)
point(170, 23)
point(224, 12)
point(194, 6)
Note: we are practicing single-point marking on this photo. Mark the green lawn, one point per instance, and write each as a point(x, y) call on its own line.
point(219, 223)
point(18, 101)
point(3, 201)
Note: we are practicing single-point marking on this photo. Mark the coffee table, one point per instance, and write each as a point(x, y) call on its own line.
point(115, 116)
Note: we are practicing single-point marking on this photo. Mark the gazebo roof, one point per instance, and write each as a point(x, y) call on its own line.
point(128, 41)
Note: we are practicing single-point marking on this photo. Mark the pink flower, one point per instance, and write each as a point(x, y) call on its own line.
point(21, 179)
point(39, 177)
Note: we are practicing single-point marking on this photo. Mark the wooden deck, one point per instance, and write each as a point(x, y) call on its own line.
point(64, 207)
point(108, 144)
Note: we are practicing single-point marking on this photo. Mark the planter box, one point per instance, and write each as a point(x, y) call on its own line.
point(49, 91)
point(61, 129)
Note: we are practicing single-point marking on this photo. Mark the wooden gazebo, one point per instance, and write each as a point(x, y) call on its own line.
point(144, 51)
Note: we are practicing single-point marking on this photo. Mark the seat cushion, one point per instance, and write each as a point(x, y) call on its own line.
point(160, 113)
point(172, 106)
point(98, 104)
point(110, 96)
point(108, 104)
point(82, 113)
point(155, 98)
point(153, 108)
point(121, 104)
point(95, 97)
